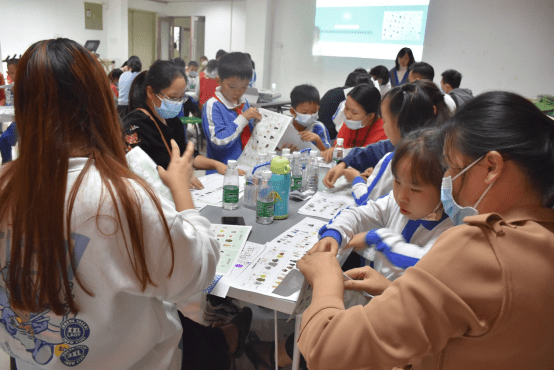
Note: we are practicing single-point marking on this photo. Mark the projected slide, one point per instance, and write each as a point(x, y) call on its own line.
point(375, 29)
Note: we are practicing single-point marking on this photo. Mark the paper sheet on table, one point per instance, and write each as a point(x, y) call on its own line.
point(212, 194)
point(291, 136)
point(279, 258)
point(266, 135)
point(249, 253)
point(232, 239)
point(326, 205)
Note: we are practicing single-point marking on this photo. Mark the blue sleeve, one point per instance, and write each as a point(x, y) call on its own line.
point(219, 127)
point(7, 140)
point(362, 158)
point(323, 133)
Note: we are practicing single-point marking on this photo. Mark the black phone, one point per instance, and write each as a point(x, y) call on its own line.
point(232, 220)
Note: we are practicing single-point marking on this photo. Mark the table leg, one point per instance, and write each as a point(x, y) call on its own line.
point(276, 342)
point(296, 352)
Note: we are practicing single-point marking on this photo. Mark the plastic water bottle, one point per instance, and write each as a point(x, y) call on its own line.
point(312, 171)
point(338, 152)
point(321, 173)
point(304, 161)
point(265, 207)
point(251, 182)
point(270, 155)
point(296, 179)
point(231, 186)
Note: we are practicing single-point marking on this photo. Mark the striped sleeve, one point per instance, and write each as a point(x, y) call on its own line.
point(221, 130)
point(323, 133)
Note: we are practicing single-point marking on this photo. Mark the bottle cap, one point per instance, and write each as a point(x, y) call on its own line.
point(272, 153)
point(232, 164)
point(340, 141)
point(296, 154)
point(286, 151)
point(280, 165)
point(266, 174)
point(314, 153)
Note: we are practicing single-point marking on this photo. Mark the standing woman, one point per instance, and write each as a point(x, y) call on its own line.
point(399, 73)
point(92, 258)
point(157, 97)
point(362, 125)
point(482, 296)
point(134, 66)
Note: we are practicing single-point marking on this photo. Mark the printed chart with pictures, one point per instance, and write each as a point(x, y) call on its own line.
point(326, 205)
point(212, 194)
point(265, 137)
point(231, 240)
point(402, 25)
point(279, 257)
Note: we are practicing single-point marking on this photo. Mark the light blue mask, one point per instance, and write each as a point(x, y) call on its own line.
point(168, 109)
point(305, 119)
point(354, 125)
point(456, 212)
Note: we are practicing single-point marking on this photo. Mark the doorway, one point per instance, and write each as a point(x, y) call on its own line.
point(181, 37)
point(142, 36)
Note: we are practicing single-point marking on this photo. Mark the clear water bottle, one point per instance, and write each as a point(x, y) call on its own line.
point(312, 172)
point(270, 155)
point(304, 161)
point(265, 207)
point(338, 152)
point(296, 176)
point(231, 186)
point(285, 151)
point(251, 182)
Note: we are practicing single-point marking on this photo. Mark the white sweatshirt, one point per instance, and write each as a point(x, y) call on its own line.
point(378, 184)
point(120, 327)
point(394, 242)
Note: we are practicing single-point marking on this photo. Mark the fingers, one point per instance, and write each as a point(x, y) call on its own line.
point(241, 172)
point(175, 151)
point(357, 273)
point(189, 151)
point(354, 285)
point(196, 183)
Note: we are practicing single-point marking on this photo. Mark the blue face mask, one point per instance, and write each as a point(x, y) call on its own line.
point(456, 212)
point(168, 109)
point(305, 119)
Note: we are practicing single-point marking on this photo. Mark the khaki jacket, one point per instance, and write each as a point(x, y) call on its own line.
point(482, 297)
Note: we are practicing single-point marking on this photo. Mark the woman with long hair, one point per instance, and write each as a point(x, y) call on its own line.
point(91, 257)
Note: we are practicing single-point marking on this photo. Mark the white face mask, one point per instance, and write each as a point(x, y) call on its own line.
point(354, 125)
point(456, 212)
point(205, 63)
point(305, 119)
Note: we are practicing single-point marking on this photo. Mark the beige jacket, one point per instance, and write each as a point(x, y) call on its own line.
point(482, 297)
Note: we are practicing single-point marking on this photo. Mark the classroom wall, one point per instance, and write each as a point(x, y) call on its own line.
point(495, 44)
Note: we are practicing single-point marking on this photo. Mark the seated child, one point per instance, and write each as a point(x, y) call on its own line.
point(305, 106)
point(398, 229)
point(205, 89)
point(192, 75)
point(228, 119)
point(381, 75)
point(113, 77)
point(450, 84)
point(363, 124)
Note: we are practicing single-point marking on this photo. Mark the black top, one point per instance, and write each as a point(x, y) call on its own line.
point(140, 130)
point(328, 106)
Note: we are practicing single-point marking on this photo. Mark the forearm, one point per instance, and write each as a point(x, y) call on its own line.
point(320, 145)
point(204, 163)
point(182, 198)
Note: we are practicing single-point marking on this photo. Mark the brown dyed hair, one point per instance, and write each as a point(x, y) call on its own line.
point(424, 151)
point(64, 108)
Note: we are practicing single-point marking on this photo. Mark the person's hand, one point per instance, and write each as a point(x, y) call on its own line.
point(291, 146)
point(367, 173)
point(308, 136)
point(357, 242)
point(350, 174)
point(221, 168)
point(241, 172)
point(327, 244)
point(195, 183)
point(333, 175)
point(328, 155)
point(179, 171)
point(366, 279)
point(321, 268)
point(252, 113)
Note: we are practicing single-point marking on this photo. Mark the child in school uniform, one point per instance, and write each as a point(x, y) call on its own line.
point(305, 106)
point(205, 89)
point(228, 119)
point(404, 109)
point(398, 229)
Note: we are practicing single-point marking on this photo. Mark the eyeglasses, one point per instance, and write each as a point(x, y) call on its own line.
point(181, 100)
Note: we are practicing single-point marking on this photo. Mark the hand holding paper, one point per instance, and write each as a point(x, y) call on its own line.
point(366, 279)
point(327, 244)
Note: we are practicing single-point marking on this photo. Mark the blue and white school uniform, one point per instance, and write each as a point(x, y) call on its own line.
point(223, 127)
point(320, 129)
point(394, 242)
point(378, 184)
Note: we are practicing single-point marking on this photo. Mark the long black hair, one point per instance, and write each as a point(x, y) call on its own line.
point(160, 76)
point(401, 54)
point(513, 126)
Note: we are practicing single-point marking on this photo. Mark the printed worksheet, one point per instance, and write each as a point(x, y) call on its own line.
point(291, 136)
point(326, 205)
point(212, 194)
point(279, 257)
point(232, 239)
point(265, 137)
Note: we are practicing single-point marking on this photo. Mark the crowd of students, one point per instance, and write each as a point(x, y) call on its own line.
point(454, 218)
